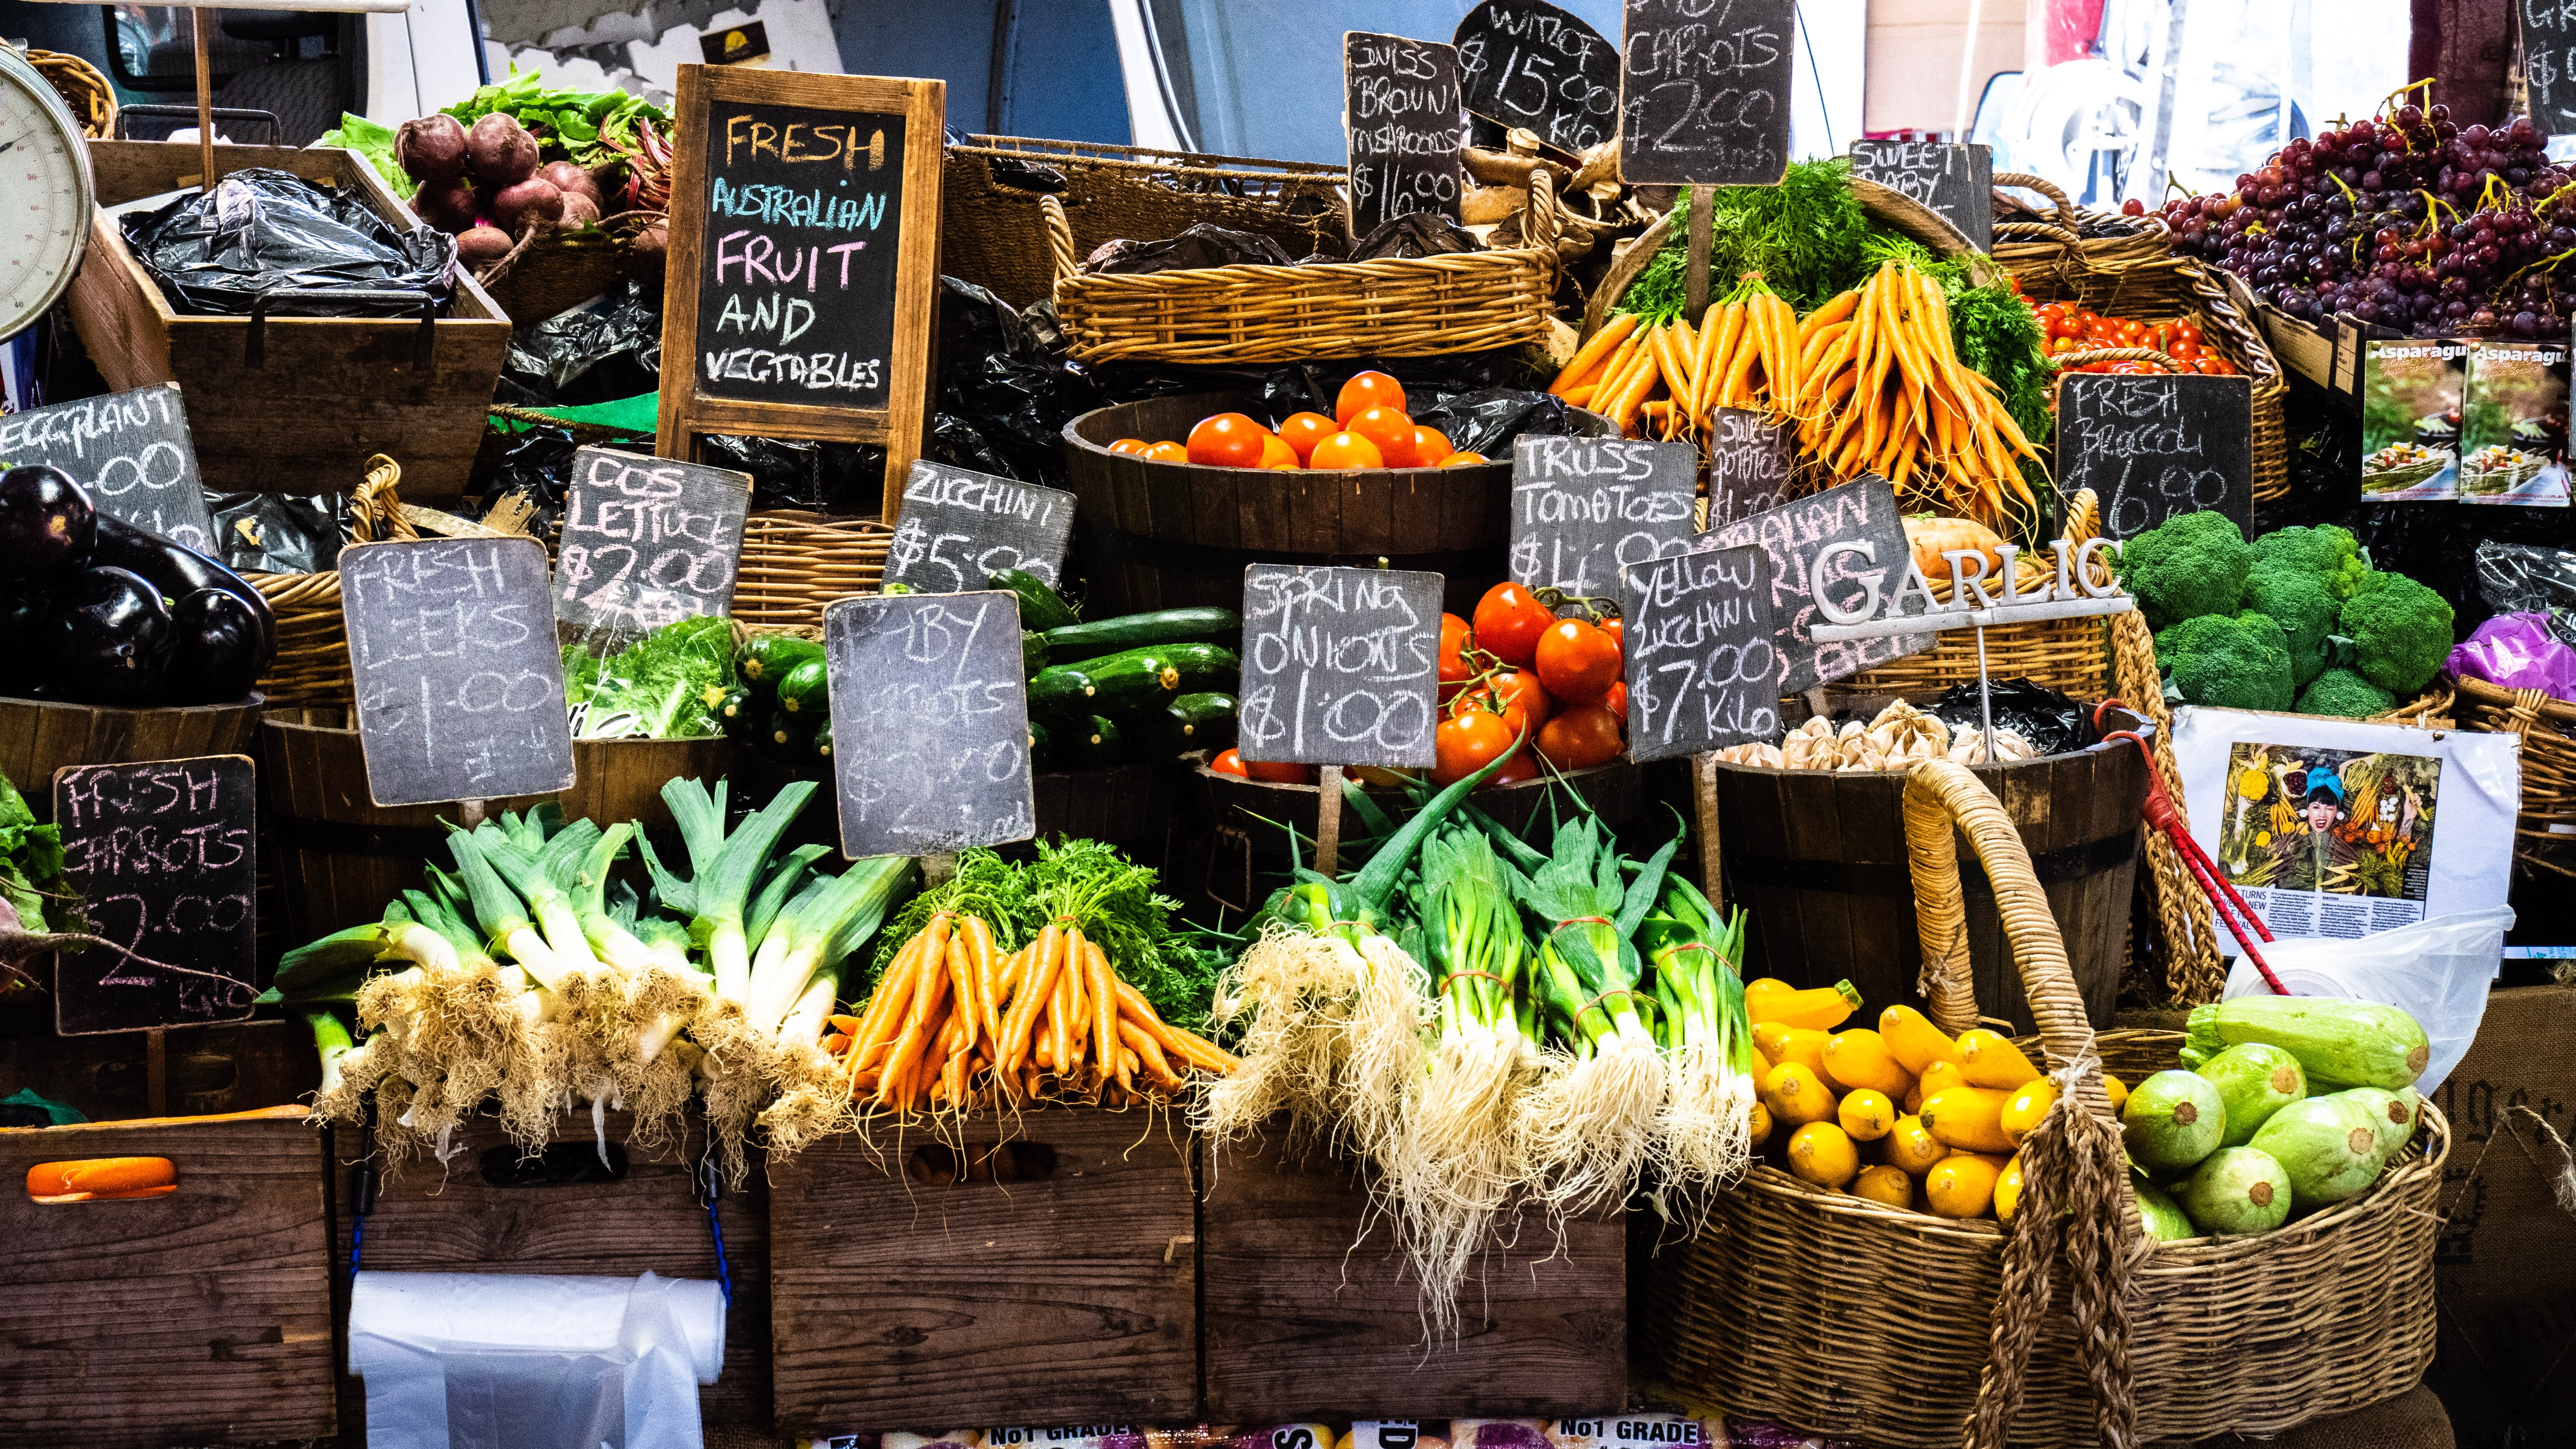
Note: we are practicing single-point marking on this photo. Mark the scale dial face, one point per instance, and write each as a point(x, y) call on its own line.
point(45, 194)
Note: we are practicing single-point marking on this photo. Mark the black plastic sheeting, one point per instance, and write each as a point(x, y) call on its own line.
point(590, 355)
point(276, 533)
point(265, 231)
point(2054, 723)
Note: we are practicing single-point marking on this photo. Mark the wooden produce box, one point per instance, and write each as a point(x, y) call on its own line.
point(1303, 1319)
point(327, 392)
point(202, 1316)
point(913, 1290)
point(455, 1220)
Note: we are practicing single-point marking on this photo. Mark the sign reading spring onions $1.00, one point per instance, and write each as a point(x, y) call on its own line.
point(1340, 666)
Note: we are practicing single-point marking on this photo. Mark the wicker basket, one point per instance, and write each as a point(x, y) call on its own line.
point(1855, 1320)
point(794, 563)
point(1411, 307)
point(2545, 833)
point(312, 664)
point(2073, 655)
point(90, 94)
point(551, 273)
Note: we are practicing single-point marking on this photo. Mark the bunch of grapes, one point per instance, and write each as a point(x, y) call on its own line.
point(2403, 220)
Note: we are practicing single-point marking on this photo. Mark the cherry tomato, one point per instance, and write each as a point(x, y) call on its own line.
point(1577, 661)
point(1302, 431)
point(1455, 640)
point(1520, 769)
point(1616, 701)
point(1227, 440)
point(1275, 453)
point(1346, 450)
point(1517, 696)
point(1464, 460)
point(1167, 452)
point(1229, 762)
point(1617, 629)
point(1508, 622)
point(1128, 445)
point(1583, 736)
point(1392, 431)
point(1364, 391)
point(1467, 742)
point(1430, 447)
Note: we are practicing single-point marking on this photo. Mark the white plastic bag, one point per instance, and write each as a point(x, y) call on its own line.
point(2437, 970)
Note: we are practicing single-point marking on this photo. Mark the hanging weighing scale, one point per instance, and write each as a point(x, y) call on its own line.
point(45, 194)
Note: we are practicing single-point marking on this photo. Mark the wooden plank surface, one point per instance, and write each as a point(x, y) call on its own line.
point(203, 1316)
point(1067, 1298)
point(1300, 1324)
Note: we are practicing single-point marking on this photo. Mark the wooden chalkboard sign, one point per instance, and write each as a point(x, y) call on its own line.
point(1528, 64)
point(2154, 446)
point(1403, 120)
point(930, 722)
point(958, 528)
point(1793, 534)
point(458, 680)
point(1704, 91)
point(130, 450)
point(1958, 181)
point(1584, 508)
point(1749, 458)
point(162, 856)
point(1701, 661)
point(804, 252)
point(647, 542)
point(2549, 63)
point(1340, 666)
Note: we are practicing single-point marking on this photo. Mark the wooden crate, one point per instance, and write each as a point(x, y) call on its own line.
point(330, 390)
point(1302, 1319)
point(906, 1299)
point(201, 1070)
point(429, 1220)
point(200, 1317)
point(38, 737)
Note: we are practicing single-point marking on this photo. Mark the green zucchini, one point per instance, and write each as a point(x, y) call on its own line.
point(1062, 694)
point(1041, 748)
point(1138, 680)
point(1200, 721)
point(1093, 746)
point(787, 738)
point(1033, 653)
point(768, 658)
point(1041, 608)
point(1207, 625)
point(740, 714)
point(818, 752)
point(805, 690)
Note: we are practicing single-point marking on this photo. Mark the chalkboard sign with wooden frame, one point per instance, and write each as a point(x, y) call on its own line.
point(161, 853)
point(827, 283)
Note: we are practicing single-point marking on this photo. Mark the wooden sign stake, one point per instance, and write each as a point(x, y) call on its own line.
point(1704, 802)
point(205, 106)
point(938, 868)
point(1328, 823)
point(156, 1046)
point(1703, 200)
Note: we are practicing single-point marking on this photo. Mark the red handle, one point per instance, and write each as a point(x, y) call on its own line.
point(2161, 816)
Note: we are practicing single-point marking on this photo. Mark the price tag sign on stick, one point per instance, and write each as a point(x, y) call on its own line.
point(1404, 120)
point(2156, 446)
point(1585, 508)
point(1749, 460)
point(959, 527)
point(930, 722)
point(1341, 666)
point(162, 856)
point(1861, 513)
point(1701, 664)
point(647, 542)
point(459, 682)
point(130, 450)
point(1528, 64)
point(1955, 181)
point(1704, 91)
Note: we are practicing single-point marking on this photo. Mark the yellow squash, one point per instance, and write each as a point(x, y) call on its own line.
point(1993, 1061)
point(1969, 1119)
point(1820, 1153)
point(1915, 1041)
point(1859, 1059)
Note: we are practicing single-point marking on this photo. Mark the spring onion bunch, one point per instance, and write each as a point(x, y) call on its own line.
point(1707, 1041)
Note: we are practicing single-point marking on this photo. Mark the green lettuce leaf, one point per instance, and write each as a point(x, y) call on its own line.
point(376, 143)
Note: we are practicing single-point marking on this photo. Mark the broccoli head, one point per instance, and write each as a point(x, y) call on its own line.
point(2400, 632)
point(2344, 694)
point(2329, 552)
point(2306, 609)
point(2190, 565)
point(2232, 661)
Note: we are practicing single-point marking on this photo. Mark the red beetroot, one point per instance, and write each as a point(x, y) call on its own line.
point(447, 205)
point(571, 180)
point(578, 211)
point(527, 203)
point(501, 150)
point(481, 247)
point(431, 148)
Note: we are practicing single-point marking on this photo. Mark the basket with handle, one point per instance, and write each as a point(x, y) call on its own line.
point(1394, 307)
point(1849, 1318)
point(312, 663)
point(2544, 834)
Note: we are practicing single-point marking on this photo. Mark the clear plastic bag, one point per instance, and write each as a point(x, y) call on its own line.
point(2437, 970)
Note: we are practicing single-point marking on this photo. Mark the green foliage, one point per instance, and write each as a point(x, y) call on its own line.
point(2400, 630)
point(376, 143)
point(31, 860)
point(2345, 695)
point(2329, 552)
point(2239, 661)
point(1804, 236)
point(588, 128)
point(2305, 608)
point(664, 686)
point(2191, 565)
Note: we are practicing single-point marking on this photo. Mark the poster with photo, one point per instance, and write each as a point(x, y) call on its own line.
point(2339, 829)
point(2513, 433)
point(2410, 420)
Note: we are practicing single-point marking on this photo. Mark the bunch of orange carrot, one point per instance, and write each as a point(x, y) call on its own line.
point(1665, 378)
point(955, 1024)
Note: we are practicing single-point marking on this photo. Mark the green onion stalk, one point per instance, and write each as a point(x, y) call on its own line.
point(366, 968)
point(825, 928)
point(1707, 1117)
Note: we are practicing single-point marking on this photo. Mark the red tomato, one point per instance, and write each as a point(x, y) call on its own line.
point(1455, 640)
point(1520, 769)
point(1466, 742)
point(1167, 452)
point(1229, 762)
point(1227, 440)
point(1583, 736)
point(1517, 696)
point(1302, 431)
point(1464, 460)
point(1128, 445)
point(1345, 450)
point(1364, 391)
point(1617, 629)
point(1616, 701)
point(1430, 447)
point(1392, 431)
point(1275, 453)
point(1577, 661)
point(1508, 622)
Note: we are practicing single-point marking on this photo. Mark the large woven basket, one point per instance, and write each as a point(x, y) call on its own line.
point(2544, 836)
point(551, 273)
point(794, 563)
point(1847, 1318)
point(89, 93)
point(1404, 307)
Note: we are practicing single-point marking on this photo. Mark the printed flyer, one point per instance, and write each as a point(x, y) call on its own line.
point(2513, 433)
point(2410, 420)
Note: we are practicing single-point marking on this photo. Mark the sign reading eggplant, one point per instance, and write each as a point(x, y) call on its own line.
point(647, 542)
point(1527, 63)
point(458, 679)
point(1700, 656)
point(130, 450)
point(161, 854)
point(1585, 508)
point(1340, 665)
point(930, 722)
point(959, 527)
point(1404, 120)
point(1705, 91)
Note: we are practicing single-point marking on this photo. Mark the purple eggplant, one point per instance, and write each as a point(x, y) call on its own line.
point(108, 639)
point(216, 654)
point(178, 571)
point(47, 526)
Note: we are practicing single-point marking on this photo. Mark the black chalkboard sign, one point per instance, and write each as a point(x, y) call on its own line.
point(1584, 508)
point(1404, 121)
point(2153, 446)
point(1704, 95)
point(1527, 63)
point(162, 856)
point(130, 450)
point(459, 683)
point(1701, 662)
point(647, 542)
point(959, 527)
point(930, 722)
point(1749, 458)
point(1340, 665)
point(2549, 62)
point(1793, 534)
point(1957, 181)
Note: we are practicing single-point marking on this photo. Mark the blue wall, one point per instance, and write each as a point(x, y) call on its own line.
point(1060, 81)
